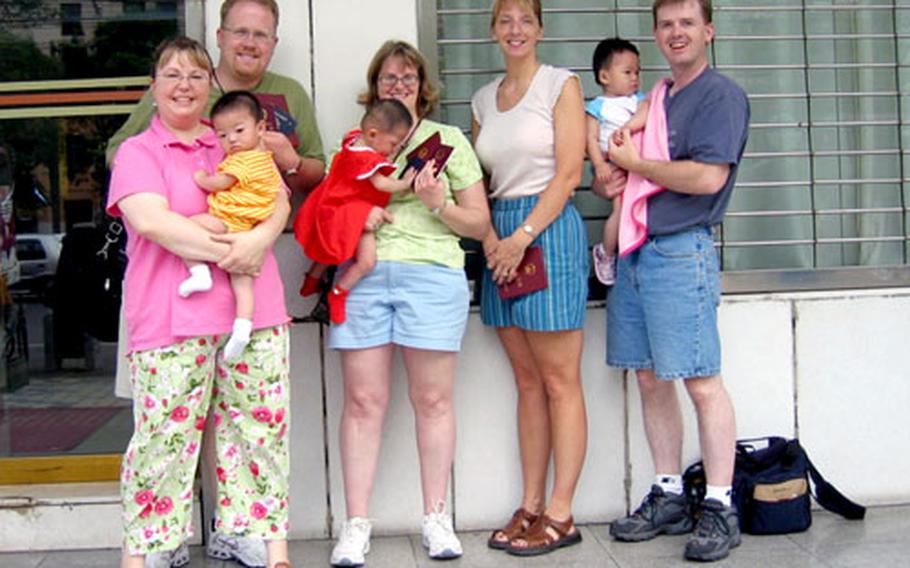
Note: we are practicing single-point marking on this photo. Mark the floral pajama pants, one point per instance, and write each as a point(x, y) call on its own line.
point(175, 390)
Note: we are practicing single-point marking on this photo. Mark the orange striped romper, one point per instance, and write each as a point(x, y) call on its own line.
point(252, 198)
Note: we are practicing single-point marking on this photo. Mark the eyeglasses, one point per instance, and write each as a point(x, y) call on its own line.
point(243, 34)
point(408, 80)
point(194, 78)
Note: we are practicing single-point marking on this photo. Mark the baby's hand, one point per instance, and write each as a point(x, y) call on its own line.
point(200, 176)
point(602, 172)
point(616, 138)
point(408, 177)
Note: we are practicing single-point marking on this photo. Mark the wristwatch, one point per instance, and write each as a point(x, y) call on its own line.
point(437, 211)
point(293, 171)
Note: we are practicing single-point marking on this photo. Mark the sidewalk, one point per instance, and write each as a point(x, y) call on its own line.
point(882, 539)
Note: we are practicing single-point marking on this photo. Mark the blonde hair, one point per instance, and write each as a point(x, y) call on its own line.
point(703, 5)
point(533, 6)
point(428, 95)
point(182, 45)
point(226, 6)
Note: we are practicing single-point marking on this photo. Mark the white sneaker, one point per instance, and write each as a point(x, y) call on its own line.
point(245, 550)
point(353, 542)
point(438, 535)
point(169, 558)
point(604, 265)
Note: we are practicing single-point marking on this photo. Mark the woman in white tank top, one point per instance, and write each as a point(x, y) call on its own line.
point(528, 128)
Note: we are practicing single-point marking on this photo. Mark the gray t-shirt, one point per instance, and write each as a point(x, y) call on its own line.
point(708, 122)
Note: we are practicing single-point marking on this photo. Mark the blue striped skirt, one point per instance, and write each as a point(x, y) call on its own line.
point(561, 306)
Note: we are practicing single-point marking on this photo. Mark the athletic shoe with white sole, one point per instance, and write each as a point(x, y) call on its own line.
point(246, 551)
point(176, 558)
point(353, 543)
point(438, 536)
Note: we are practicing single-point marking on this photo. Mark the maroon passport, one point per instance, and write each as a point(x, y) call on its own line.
point(430, 149)
point(278, 116)
point(530, 276)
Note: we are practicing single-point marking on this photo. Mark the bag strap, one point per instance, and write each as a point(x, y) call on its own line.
point(830, 498)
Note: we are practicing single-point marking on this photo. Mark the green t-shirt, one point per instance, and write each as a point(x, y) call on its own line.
point(416, 235)
point(299, 105)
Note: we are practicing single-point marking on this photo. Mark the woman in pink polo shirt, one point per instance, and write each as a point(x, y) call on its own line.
point(177, 372)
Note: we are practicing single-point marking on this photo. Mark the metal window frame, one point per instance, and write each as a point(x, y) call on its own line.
point(776, 280)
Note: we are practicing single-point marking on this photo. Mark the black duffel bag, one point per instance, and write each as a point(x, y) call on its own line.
point(771, 487)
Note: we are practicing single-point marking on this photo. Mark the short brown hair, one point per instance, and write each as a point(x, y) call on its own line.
point(705, 6)
point(195, 53)
point(532, 5)
point(428, 95)
point(226, 6)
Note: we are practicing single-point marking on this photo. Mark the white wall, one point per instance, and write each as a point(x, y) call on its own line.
point(343, 46)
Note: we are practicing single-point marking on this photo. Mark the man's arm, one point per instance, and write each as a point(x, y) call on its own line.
point(136, 122)
point(681, 176)
point(310, 159)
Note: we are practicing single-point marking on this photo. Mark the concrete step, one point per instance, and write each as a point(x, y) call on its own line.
point(66, 516)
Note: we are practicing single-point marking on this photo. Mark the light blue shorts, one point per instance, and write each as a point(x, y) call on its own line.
point(662, 311)
point(562, 304)
point(422, 306)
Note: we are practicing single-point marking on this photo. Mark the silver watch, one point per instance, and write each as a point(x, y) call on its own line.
point(437, 211)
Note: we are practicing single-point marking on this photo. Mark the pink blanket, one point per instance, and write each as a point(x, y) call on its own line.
point(652, 145)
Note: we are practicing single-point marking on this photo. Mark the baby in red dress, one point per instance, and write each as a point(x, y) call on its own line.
point(330, 225)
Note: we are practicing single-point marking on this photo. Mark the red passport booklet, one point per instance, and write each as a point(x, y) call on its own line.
point(278, 116)
point(530, 276)
point(430, 149)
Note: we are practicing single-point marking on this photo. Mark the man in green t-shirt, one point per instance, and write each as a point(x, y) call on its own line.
point(246, 42)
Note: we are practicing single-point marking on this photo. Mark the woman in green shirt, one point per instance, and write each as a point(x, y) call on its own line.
point(415, 300)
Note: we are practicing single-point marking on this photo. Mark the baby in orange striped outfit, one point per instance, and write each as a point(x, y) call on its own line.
point(242, 193)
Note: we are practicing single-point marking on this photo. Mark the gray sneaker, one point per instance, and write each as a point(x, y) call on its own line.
point(176, 558)
point(716, 532)
point(659, 513)
point(245, 550)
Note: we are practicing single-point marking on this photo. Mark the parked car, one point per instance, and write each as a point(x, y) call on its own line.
point(38, 254)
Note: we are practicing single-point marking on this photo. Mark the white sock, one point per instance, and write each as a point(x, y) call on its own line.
point(722, 493)
point(200, 280)
point(670, 483)
point(240, 338)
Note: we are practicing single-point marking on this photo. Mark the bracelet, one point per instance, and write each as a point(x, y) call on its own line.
point(437, 211)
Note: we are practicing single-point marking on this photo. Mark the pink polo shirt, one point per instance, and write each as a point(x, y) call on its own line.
point(155, 161)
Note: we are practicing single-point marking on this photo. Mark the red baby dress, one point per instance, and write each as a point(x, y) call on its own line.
point(330, 223)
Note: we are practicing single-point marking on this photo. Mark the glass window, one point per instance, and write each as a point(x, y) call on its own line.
point(133, 6)
point(71, 19)
point(67, 81)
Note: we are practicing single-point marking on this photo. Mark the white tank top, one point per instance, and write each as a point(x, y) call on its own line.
point(516, 146)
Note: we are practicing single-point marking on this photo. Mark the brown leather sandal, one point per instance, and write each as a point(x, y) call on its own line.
point(521, 521)
point(540, 539)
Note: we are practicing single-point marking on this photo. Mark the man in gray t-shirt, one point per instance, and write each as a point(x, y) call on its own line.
point(662, 312)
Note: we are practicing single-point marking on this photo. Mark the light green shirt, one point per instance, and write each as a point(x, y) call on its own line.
point(299, 105)
point(416, 235)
